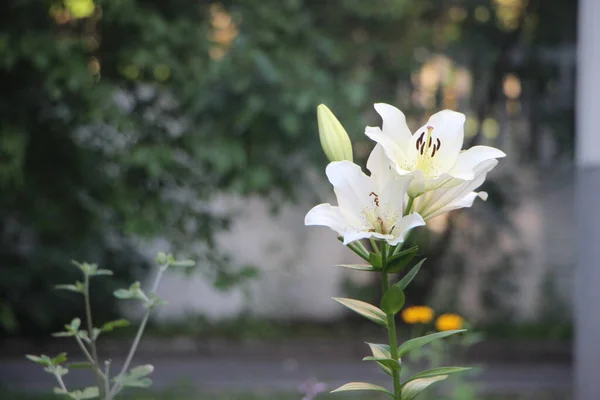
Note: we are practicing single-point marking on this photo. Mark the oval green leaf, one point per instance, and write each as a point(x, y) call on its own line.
point(416, 343)
point(413, 388)
point(392, 300)
point(353, 386)
point(367, 310)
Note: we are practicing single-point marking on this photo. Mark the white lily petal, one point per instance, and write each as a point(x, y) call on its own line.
point(446, 138)
point(403, 226)
point(444, 198)
point(380, 167)
point(469, 159)
point(392, 150)
point(391, 199)
point(394, 124)
point(352, 235)
point(326, 215)
point(465, 202)
point(353, 190)
point(418, 185)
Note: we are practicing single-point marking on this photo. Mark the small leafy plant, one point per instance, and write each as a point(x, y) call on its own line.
point(107, 387)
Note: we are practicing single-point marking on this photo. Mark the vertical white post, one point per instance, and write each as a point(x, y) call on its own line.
point(587, 275)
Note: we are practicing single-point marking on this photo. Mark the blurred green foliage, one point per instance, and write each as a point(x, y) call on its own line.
point(126, 119)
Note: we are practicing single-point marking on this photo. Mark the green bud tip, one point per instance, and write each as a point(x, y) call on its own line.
point(334, 138)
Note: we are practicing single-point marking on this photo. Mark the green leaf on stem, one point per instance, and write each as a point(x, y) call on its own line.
point(87, 393)
point(387, 364)
point(358, 267)
point(136, 377)
point(380, 350)
point(416, 343)
point(412, 389)
point(437, 372)
point(398, 262)
point(375, 260)
point(102, 272)
point(134, 292)
point(119, 323)
point(77, 287)
point(80, 365)
point(353, 386)
point(403, 283)
point(183, 263)
point(367, 310)
point(392, 300)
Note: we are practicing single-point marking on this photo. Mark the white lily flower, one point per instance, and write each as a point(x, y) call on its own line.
point(444, 199)
point(368, 206)
point(433, 153)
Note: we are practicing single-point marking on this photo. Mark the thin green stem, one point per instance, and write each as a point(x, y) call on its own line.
point(90, 328)
point(391, 327)
point(391, 322)
point(106, 381)
point(374, 244)
point(409, 205)
point(61, 382)
point(138, 336)
point(87, 354)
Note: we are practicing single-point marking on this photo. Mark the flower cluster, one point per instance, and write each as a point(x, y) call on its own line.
point(417, 315)
point(424, 315)
point(412, 177)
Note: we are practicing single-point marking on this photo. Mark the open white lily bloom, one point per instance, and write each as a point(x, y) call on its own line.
point(368, 206)
point(433, 154)
point(444, 199)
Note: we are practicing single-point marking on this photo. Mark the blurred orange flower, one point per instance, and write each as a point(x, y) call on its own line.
point(417, 315)
point(449, 322)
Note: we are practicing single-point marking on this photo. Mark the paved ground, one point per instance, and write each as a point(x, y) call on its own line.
point(220, 365)
point(288, 374)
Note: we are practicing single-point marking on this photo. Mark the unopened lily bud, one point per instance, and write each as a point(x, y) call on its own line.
point(334, 139)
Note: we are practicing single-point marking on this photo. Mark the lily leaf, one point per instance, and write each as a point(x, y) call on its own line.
point(353, 386)
point(437, 372)
point(392, 300)
point(380, 350)
point(403, 283)
point(384, 363)
point(358, 267)
point(119, 323)
point(367, 310)
point(375, 260)
point(413, 388)
point(416, 343)
point(398, 262)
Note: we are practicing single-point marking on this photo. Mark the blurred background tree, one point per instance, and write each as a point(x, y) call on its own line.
point(125, 119)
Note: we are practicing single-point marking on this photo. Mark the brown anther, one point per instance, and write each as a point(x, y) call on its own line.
point(433, 151)
point(439, 143)
point(429, 143)
point(376, 199)
point(422, 148)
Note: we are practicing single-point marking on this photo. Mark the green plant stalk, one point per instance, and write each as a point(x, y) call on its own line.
point(60, 381)
point(90, 329)
point(138, 336)
point(391, 326)
point(106, 381)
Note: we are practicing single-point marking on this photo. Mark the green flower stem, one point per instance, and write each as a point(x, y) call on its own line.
point(374, 244)
point(391, 323)
point(409, 205)
point(89, 357)
point(138, 336)
point(106, 381)
point(90, 329)
point(61, 382)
